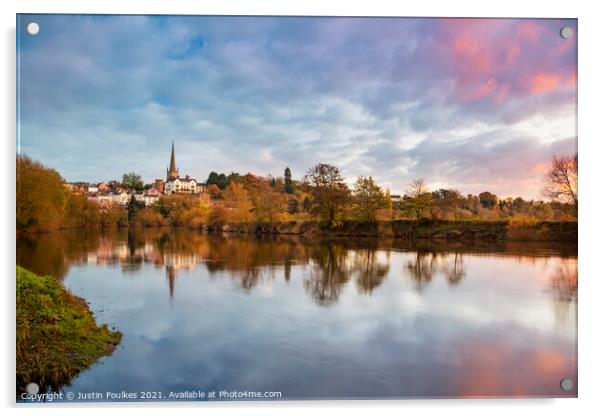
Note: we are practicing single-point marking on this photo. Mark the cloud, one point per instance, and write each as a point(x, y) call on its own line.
point(104, 95)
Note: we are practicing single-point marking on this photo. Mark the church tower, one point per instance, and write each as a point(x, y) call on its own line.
point(172, 172)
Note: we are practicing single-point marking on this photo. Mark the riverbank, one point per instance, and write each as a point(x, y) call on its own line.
point(424, 229)
point(57, 336)
point(468, 230)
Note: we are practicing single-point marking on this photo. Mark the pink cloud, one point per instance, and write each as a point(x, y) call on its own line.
point(542, 82)
point(530, 32)
point(495, 58)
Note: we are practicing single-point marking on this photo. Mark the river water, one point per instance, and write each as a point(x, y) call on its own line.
point(299, 318)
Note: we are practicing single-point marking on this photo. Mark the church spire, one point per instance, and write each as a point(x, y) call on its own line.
point(172, 173)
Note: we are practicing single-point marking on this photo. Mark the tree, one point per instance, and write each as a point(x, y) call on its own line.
point(237, 201)
point(448, 199)
point(293, 206)
point(114, 185)
point(79, 212)
point(174, 207)
point(221, 180)
point(561, 181)
point(41, 196)
point(288, 181)
point(267, 203)
point(453, 200)
point(369, 198)
point(389, 203)
point(487, 199)
point(330, 193)
point(306, 204)
point(134, 206)
point(132, 181)
point(417, 199)
point(214, 191)
point(216, 179)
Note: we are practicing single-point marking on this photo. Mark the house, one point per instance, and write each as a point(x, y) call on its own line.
point(186, 185)
point(151, 196)
point(104, 201)
point(120, 198)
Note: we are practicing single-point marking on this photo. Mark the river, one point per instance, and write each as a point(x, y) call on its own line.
point(298, 318)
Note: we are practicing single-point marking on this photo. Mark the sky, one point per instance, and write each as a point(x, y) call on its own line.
point(473, 104)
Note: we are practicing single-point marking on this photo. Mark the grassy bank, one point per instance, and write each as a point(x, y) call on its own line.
point(57, 336)
point(464, 230)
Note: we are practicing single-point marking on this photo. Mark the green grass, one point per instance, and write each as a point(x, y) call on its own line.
point(57, 336)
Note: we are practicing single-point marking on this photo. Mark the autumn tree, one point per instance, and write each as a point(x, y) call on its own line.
point(389, 204)
point(132, 181)
point(561, 181)
point(267, 202)
point(41, 196)
point(330, 193)
point(306, 204)
point(79, 212)
point(417, 199)
point(238, 202)
point(174, 207)
point(214, 191)
point(293, 206)
point(368, 198)
point(450, 199)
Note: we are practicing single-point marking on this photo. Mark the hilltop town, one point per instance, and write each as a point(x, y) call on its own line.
point(107, 194)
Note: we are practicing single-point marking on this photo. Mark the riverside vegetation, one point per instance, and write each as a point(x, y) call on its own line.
point(320, 203)
point(57, 336)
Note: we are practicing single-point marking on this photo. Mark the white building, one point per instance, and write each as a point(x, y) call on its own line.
point(104, 201)
point(121, 198)
point(185, 185)
point(177, 185)
point(151, 196)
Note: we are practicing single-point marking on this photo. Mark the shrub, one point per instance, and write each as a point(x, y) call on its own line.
point(218, 216)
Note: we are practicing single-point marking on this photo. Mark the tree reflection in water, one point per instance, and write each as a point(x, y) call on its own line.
point(370, 271)
point(250, 260)
point(329, 272)
point(428, 263)
point(563, 285)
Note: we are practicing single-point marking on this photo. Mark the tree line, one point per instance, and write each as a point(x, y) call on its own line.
point(44, 203)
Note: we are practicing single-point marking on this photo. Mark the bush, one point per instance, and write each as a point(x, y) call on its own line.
point(149, 217)
point(218, 216)
point(115, 216)
point(81, 213)
point(196, 217)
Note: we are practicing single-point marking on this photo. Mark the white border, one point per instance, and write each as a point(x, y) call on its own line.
point(590, 273)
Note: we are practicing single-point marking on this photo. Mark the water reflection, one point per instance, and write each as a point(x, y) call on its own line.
point(428, 263)
point(332, 318)
point(249, 260)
